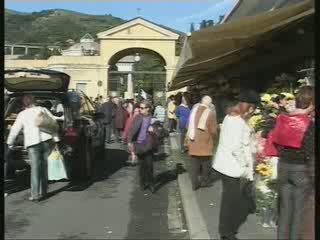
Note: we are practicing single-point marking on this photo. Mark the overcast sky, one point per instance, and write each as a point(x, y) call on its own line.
point(175, 14)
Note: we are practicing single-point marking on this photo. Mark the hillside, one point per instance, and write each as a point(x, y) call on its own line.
point(54, 26)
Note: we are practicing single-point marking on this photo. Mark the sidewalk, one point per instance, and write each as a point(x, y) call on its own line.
point(202, 207)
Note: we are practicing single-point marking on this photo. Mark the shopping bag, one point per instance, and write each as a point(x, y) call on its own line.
point(247, 188)
point(46, 123)
point(150, 145)
point(56, 166)
point(270, 148)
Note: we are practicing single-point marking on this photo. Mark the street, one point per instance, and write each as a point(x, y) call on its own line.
point(110, 206)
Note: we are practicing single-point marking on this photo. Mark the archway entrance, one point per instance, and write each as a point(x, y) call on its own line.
point(136, 71)
point(142, 37)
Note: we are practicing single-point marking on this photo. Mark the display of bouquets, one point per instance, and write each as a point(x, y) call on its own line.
point(265, 179)
point(266, 194)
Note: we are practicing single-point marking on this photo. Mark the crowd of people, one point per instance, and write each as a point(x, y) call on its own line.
point(228, 148)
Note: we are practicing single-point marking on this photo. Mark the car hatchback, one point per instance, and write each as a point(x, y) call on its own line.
point(80, 130)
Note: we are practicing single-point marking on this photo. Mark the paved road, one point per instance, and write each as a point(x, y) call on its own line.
point(112, 206)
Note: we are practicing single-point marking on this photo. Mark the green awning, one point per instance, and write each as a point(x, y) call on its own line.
point(214, 49)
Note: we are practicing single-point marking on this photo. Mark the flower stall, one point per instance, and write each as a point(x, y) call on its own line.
point(265, 166)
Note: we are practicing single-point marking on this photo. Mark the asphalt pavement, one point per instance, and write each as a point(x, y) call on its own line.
point(111, 206)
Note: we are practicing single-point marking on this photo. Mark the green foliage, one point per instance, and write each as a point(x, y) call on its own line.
point(51, 26)
point(149, 82)
point(192, 27)
point(43, 54)
point(203, 24)
point(265, 200)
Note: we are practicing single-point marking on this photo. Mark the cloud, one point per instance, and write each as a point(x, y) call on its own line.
point(214, 9)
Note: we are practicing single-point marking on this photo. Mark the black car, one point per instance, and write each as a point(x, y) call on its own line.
point(81, 131)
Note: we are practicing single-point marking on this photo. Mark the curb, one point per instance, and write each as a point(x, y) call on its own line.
point(195, 221)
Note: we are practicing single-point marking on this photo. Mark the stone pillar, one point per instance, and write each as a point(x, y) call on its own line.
point(12, 50)
point(26, 51)
point(104, 74)
point(130, 86)
point(169, 75)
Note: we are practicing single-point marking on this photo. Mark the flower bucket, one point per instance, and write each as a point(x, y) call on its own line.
point(268, 218)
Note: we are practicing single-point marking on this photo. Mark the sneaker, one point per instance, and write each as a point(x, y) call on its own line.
point(32, 199)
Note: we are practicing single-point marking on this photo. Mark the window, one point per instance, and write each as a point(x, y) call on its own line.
point(82, 87)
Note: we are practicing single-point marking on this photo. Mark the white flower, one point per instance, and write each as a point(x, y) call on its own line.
point(264, 189)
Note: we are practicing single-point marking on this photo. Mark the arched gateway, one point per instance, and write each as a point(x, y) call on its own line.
point(133, 38)
point(95, 74)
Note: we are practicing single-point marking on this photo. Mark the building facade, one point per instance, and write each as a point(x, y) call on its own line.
point(90, 73)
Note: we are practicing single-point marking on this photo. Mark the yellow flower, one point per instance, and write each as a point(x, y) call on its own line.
point(288, 95)
point(266, 98)
point(254, 120)
point(264, 170)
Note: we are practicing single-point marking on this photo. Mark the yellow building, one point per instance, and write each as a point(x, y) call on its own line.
point(91, 73)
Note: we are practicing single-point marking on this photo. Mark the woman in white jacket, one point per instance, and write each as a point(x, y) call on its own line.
point(234, 160)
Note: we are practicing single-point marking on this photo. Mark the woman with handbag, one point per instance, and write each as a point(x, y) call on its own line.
point(142, 142)
point(234, 160)
point(38, 126)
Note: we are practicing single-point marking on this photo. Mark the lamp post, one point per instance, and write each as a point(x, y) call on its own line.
point(137, 58)
point(130, 87)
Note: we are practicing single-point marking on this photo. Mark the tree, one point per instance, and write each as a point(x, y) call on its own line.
point(210, 23)
point(191, 27)
point(149, 82)
point(203, 24)
point(44, 53)
point(221, 17)
point(55, 52)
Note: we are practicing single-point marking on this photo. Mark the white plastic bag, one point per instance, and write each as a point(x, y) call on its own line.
point(56, 166)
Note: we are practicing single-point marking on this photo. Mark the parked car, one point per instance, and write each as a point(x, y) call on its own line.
point(81, 130)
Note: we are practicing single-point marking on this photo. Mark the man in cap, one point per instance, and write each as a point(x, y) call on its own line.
point(234, 160)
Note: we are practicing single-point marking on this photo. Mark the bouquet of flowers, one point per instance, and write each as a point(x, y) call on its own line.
point(266, 193)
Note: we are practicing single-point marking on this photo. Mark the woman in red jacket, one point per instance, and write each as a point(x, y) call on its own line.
point(293, 137)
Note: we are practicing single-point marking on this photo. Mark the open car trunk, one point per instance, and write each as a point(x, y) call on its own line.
point(22, 80)
point(19, 155)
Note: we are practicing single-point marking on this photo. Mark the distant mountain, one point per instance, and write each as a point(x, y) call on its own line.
point(54, 26)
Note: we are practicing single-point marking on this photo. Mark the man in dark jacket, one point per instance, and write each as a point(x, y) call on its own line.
point(120, 117)
point(107, 109)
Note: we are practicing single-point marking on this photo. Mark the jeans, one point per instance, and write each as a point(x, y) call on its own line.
point(183, 132)
point(108, 132)
point(234, 207)
point(294, 187)
point(117, 134)
point(199, 163)
point(38, 155)
point(145, 169)
point(172, 124)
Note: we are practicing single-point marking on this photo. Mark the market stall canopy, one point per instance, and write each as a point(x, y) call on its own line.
point(245, 8)
point(213, 49)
